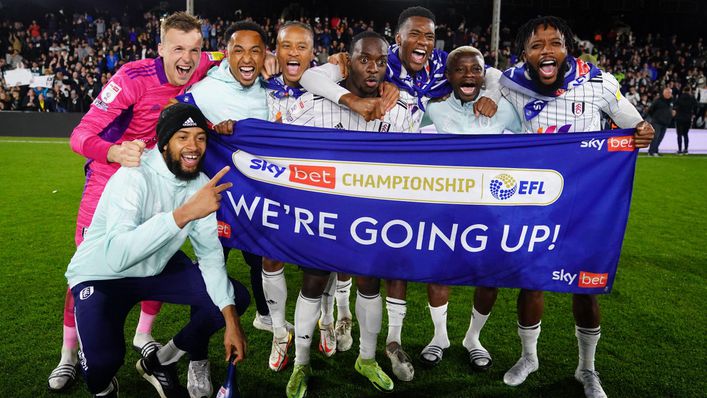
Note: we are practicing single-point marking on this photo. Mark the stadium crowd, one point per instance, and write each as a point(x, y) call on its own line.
point(82, 52)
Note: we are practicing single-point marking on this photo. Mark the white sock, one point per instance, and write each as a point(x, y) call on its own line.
point(439, 319)
point(478, 320)
point(275, 291)
point(369, 312)
point(327, 316)
point(396, 314)
point(529, 340)
point(587, 339)
point(68, 356)
point(306, 315)
point(343, 292)
point(170, 353)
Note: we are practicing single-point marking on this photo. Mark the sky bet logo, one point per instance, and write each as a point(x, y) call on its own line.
point(318, 176)
point(613, 144)
point(263, 165)
point(503, 186)
point(586, 280)
point(593, 143)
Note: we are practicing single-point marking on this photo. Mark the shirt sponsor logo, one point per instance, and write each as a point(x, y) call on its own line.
point(407, 182)
point(109, 93)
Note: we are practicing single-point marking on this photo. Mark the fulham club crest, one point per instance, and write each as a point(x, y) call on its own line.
point(578, 108)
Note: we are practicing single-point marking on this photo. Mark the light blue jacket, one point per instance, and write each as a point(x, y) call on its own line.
point(133, 232)
point(221, 97)
point(451, 117)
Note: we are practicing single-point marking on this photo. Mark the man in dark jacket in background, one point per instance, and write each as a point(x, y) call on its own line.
point(684, 110)
point(661, 113)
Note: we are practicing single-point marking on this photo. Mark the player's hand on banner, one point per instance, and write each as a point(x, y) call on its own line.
point(204, 202)
point(234, 341)
point(341, 59)
point(270, 66)
point(485, 106)
point(127, 153)
point(644, 135)
point(225, 127)
point(368, 108)
point(389, 95)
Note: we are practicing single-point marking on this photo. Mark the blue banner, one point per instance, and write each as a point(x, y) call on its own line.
point(545, 212)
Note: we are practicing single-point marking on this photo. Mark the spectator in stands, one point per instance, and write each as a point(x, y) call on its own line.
point(29, 103)
point(4, 101)
point(633, 97)
point(74, 103)
point(15, 100)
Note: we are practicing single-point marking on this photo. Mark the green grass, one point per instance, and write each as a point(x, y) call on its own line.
point(654, 322)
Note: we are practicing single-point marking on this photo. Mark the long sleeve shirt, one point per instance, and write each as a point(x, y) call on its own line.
point(134, 234)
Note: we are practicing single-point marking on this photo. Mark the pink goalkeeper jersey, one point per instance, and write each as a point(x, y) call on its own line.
point(127, 109)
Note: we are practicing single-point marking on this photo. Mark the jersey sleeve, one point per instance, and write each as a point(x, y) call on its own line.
point(204, 239)
point(116, 97)
point(614, 104)
point(322, 80)
point(493, 84)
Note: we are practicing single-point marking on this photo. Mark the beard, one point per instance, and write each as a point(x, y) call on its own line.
point(549, 89)
point(175, 166)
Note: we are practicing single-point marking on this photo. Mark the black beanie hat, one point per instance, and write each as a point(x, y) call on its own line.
point(176, 117)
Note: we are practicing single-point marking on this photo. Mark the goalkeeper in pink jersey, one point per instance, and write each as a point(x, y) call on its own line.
point(118, 127)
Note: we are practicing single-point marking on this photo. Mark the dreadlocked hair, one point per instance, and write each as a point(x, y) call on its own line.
point(528, 29)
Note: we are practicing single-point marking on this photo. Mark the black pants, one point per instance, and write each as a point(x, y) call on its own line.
point(102, 306)
point(682, 128)
point(255, 263)
point(659, 134)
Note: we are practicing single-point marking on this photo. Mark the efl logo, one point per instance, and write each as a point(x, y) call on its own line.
point(590, 280)
point(318, 176)
point(621, 144)
point(224, 230)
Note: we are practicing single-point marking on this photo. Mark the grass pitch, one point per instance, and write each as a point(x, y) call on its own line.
point(654, 322)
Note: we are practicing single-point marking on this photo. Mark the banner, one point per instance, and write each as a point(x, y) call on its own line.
point(545, 212)
point(42, 81)
point(17, 77)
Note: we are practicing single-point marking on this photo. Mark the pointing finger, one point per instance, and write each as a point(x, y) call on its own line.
point(219, 175)
point(223, 187)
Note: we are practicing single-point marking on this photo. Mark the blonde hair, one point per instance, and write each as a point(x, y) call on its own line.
point(180, 21)
point(464, 50)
